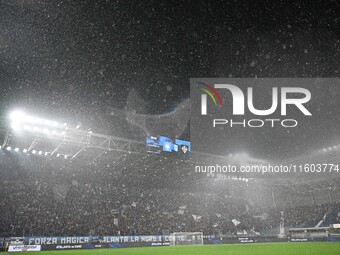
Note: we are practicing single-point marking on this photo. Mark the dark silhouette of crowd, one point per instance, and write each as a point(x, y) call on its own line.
point(45, 197)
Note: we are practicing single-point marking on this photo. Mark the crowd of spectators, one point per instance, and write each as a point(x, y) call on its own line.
point(76, 200)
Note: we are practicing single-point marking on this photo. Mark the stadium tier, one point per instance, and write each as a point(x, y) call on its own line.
point(99, 201)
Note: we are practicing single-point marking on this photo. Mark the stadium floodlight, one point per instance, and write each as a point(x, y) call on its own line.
point(242, 157)
point(17, 116)
point(20, 117)
point(16, 149)
point(15, 126)
point(65, 156)
point(46, 153)
point(24, 150)
point(38, 120)
point(58, 155)
point(9, 148)
point(40, 152)
point(47, 122)
point(28, 119)
point(34, 151)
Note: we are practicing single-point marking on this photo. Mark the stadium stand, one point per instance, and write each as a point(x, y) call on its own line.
point(108, 199)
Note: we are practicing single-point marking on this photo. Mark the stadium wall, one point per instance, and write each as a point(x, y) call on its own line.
point(97, 242)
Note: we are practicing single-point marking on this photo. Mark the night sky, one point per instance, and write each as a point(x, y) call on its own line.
point(78, 61)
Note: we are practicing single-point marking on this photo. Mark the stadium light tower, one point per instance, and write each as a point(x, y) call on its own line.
point(46, 135)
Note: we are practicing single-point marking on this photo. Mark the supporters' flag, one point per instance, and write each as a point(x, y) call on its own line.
point(218, 215)
point(197, 217)
point(247, 208)
point(115, 211)
point(180, 211)
point(115, 221)
point(183, 207)
point(236, 222)
point(134, 204)
point(180, 225)
point(215, 225)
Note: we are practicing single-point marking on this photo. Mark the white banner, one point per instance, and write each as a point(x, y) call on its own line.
point(336, 225)
point(115, 221)
point(21, 248)
point(196, 217)
point(236, 222)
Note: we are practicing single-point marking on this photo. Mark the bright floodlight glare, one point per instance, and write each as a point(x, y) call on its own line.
point(40, 152)
point(16, 149)
point(9, 148)
point(15, 126)
point(17, 116)
point(21, 117)
point(34, 151)
point(46, 153)
point(24, 150)
point(63, 133)
point(38, 120)
point(242, 156)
